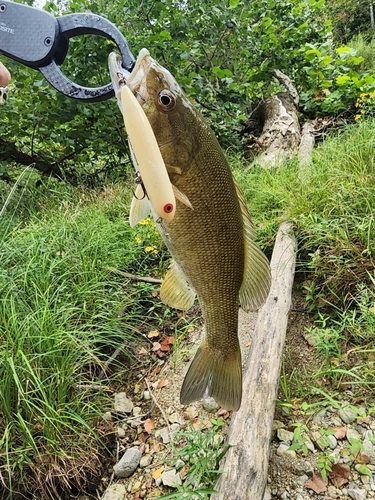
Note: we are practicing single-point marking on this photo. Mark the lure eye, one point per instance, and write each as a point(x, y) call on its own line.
point(166, 100)
point(168, 208)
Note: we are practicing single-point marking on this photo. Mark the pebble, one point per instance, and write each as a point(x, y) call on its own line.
point(164, 433)
point(332, 442)
point(369, 450)
point(357, 494)
point(146, 395)
point(352, 434)
point(210, 405)
point(136, 486)
point(303, 467)
point(145, 461)
point(120, 432)
point(122, 403)
point(332, 492)
point(128, 463)
point(115, 492)
point(171, 478)
point(137, 410)
point(285, 436)
point(347, 414)
point(284, 451)
point(107, 416)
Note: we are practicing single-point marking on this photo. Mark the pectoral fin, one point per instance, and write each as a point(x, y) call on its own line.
point(175, 290)
point(182, 197)
point(139, 207)
point(257, 273)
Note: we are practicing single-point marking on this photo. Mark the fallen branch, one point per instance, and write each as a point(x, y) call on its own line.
point(287, 83)
point(147, 279)
point(246, 462)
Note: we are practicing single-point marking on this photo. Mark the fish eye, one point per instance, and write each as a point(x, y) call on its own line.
point(166, 100)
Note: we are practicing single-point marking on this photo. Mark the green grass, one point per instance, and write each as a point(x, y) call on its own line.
point(332, 210)
point(62, 315)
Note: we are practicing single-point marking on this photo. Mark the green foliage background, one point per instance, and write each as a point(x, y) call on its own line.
point(220, 52)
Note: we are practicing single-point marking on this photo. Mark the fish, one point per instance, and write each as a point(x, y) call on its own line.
point(211, 238)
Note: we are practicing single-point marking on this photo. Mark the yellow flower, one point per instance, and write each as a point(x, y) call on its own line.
point(138, 240)
point(357, 117)
point(146, 222)
point(153, 249)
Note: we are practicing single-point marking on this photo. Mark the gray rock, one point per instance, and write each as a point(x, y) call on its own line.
point(171, 478)
point(285, 436)
point(303, 467)
point(145, 461)
point(357, 494)
point(137, 410)
point(332, 442)
point(347, 414)
point(302, 480)
point(332, 492)
point(128, 463)
point(210, 405)
point(284, 451)
point(267, 494)
point(369, 450)
point(352, 434)
point(122, 403)
point(136, 486)
point(164, 433)
point(146, 395)
point(276, 425)
point(115, 492)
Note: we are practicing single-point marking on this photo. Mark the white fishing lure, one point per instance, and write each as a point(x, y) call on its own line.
point(148, 157)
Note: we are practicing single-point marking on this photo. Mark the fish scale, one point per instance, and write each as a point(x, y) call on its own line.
point(211, 239)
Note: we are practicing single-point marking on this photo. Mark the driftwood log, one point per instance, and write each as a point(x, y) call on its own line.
point(246, 462)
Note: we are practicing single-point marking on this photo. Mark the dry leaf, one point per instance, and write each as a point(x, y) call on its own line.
point(156, 474)
point(340, 432)
point(162, 383)
point(198, 424)
point(154, 372)
point(339, 474)
point(155, 448)
point(316, 484)
point(149, 425)
point(190, 413)
point(362, 458)
point(153, 334)
point(223, 413)
point(248, 344)
point(142, 447)
point(165, 347)
point(155, 346)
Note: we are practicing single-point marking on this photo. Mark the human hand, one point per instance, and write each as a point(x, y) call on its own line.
point(4, 76)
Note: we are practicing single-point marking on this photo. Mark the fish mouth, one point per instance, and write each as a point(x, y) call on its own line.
point(136, 81)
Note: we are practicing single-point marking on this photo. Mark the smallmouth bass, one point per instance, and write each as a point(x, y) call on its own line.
point(211, 237)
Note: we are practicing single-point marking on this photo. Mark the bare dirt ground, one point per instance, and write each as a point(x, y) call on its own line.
point(158, 400)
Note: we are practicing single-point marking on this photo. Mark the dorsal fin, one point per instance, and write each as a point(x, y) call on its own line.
point(257, 273)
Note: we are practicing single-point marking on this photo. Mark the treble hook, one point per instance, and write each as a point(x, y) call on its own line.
point(138, 180)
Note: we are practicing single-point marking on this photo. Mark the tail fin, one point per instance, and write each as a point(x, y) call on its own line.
point(211, 374)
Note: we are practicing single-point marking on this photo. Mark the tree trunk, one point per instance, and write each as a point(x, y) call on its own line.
point(281, 131)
